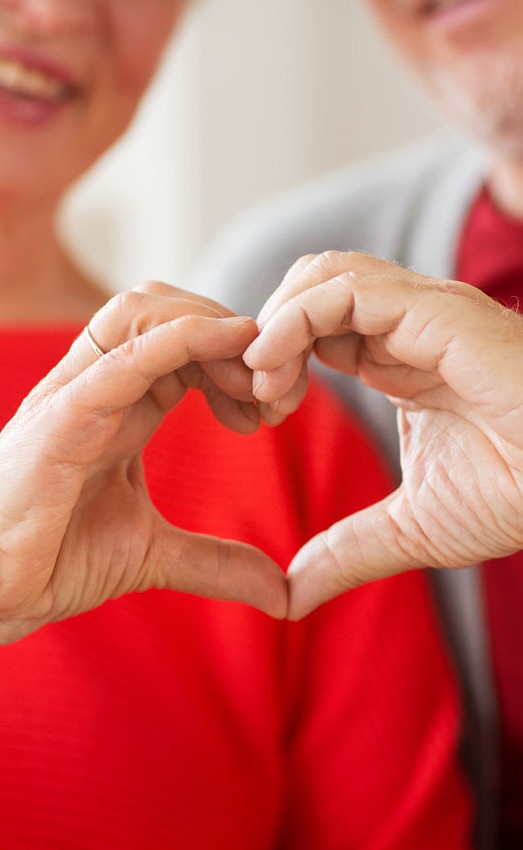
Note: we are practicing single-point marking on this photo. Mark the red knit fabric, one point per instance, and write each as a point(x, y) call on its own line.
point(164, 721)
point(491, 257)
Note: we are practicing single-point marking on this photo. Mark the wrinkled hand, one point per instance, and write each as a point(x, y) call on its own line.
point(451, 360)
point(76, 523)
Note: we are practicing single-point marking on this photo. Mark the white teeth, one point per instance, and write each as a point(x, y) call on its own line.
point(20, 80)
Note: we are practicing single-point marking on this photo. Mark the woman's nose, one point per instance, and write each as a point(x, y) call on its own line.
point(53, 17)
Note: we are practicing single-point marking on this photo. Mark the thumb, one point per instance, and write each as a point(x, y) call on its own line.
point(361, 548)
point(219, 569)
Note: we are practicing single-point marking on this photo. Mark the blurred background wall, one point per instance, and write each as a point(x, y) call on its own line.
point(254, 97)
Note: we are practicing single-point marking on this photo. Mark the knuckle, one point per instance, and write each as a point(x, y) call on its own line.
point(184, 329)
point(127, 315)
point(330, 260)
point(333, 257)
point(157, 287)
point(130, 349)
point(131, 353)
point(197, 328)
point(349, 261)
point(149, 287)
point(126, 303)
point(300, 265)
point(221, 568)
point(305, 260)
point(186, 324)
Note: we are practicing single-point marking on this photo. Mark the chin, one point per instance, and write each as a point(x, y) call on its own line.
point(27, 185)
point(483, 94)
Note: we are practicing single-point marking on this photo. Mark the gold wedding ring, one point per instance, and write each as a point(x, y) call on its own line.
point(92, 342)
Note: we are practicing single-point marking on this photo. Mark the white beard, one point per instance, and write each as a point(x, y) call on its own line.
point(484, 94)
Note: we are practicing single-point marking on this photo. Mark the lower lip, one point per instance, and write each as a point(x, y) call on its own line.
point(27, 112)
point(464, 15)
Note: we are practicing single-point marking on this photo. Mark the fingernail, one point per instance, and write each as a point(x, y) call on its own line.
point(258, 380)
point(238, 320)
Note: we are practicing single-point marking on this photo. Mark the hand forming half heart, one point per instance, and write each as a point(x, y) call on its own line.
point(77, 525)
point(451, 360)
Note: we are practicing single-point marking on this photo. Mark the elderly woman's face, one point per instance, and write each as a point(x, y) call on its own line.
point(71, 75)
point(470, 52)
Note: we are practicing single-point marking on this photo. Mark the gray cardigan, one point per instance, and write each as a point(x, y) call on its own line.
point(409, 208)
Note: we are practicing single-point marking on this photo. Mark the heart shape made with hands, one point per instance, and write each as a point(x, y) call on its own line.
point(448, 357)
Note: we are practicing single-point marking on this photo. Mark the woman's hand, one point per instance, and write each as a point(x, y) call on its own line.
point(76, 523)
point(451, 360)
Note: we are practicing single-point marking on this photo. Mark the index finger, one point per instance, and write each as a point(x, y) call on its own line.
point(127, 372)
point(131, 314)
point(314, 269)
point(323, 310)
point(445, 328)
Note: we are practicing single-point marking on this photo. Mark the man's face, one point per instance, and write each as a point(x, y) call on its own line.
point(470, 54)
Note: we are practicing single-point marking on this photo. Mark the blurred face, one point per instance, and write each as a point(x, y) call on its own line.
point(470, 53)
point(71, 75)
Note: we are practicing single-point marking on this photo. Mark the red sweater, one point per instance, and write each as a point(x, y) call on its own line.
point(163, 721)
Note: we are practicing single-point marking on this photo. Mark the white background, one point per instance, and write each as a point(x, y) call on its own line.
point(253, 97)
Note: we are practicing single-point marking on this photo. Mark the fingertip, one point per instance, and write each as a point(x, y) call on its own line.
point(311, 579)
point(271, 415)
point(277, 606)
point(286, 403)
point(220, 569)
point(251, 417)
point(231, 376)
point(250, 355)
point(258, 379)
point(267, 589)
point(272, 385)
point(301, 602)
point(240, 417)
point(262, 353)
point(295, 613)
point(240, 321)
point(243, 328)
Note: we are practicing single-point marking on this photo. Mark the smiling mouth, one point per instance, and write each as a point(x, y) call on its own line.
point(32, 84)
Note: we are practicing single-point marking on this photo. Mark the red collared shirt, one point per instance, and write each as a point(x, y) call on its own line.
point(491, 257)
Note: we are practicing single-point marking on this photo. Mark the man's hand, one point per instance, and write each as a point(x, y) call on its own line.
point(76, 523)
point(451, 360)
